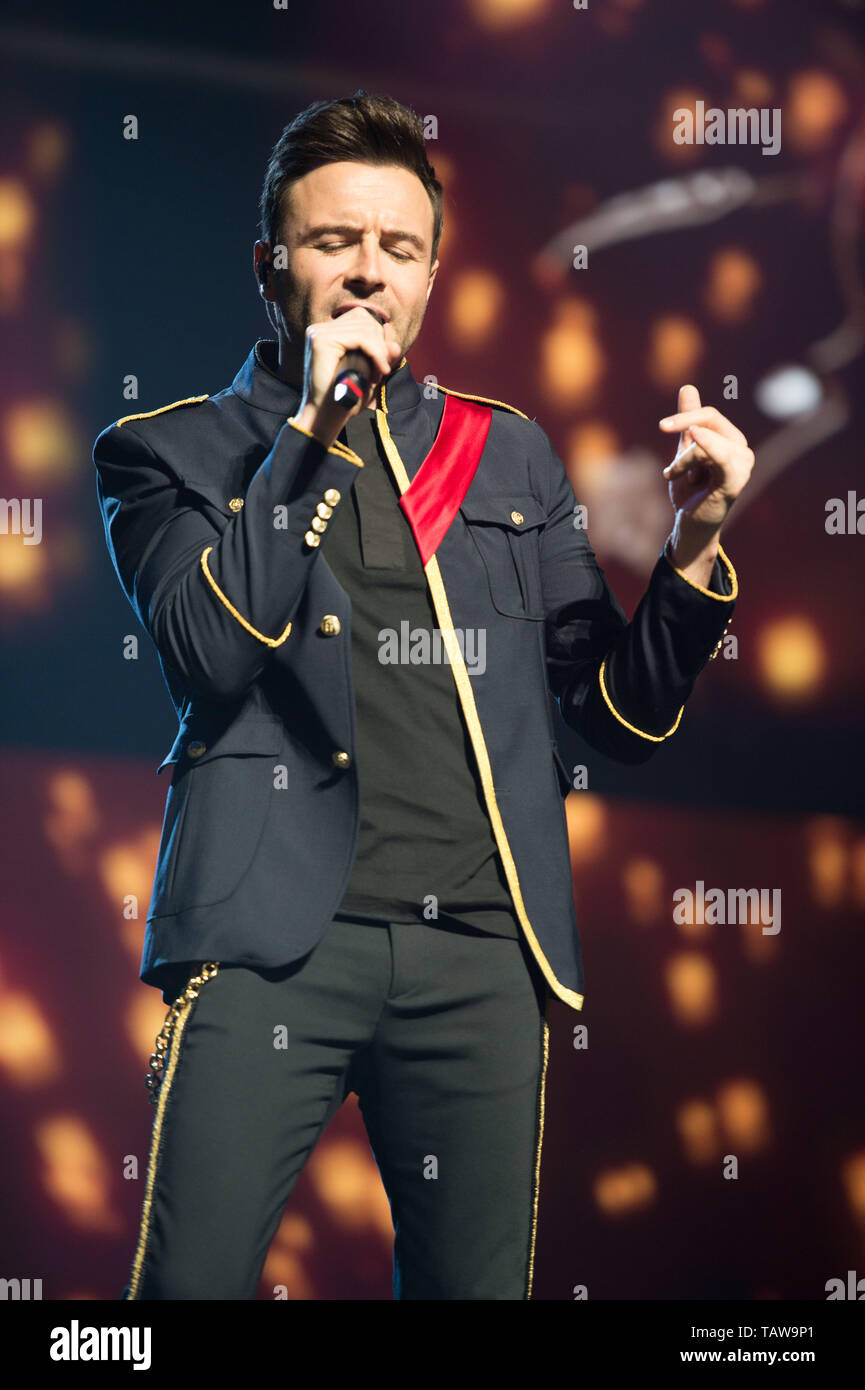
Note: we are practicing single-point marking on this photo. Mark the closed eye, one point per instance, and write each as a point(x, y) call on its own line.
point(339, 246)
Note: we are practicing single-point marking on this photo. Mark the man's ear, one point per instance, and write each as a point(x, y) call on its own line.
point(263, 269)
point(432, 276)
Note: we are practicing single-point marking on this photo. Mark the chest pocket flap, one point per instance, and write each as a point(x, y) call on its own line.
point(505, 529)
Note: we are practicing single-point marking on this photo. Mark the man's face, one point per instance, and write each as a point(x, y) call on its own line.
point(356, 234)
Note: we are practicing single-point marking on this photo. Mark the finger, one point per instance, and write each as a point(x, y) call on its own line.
point(689, 399)
point(392, 344)
point(360, 338)
point(705, 415)
point(360, 324)
point(714, 445)
point(686, 455)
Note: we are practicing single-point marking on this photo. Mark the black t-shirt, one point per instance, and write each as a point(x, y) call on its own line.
point(424, 834)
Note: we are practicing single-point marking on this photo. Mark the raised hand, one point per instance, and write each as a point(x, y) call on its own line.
point(712, 464)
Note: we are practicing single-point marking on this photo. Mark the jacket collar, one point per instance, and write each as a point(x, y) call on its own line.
point(258, 384)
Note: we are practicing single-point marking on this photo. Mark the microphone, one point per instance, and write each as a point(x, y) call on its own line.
point(352, 382)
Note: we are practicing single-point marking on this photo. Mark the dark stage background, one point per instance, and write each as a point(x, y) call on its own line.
point(706, 264)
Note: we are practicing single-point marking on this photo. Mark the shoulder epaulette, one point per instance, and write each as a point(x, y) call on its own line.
point(484, 399)
point(145, 414)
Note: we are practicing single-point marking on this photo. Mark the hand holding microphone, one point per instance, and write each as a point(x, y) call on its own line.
point(344, 361)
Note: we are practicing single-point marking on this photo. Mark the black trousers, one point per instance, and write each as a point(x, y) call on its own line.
point(441, 1032)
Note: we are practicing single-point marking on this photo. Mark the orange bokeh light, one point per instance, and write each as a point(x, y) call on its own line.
point(474, 309)
point(675, 347)
point(587, 826)
point(75, 1173)
point(619, 1191)
point(791, 658)
point(697, 1127)
point(572, 361)
point(500, 15)
point(743, 1110)
point(692, 988)
point(734, 279)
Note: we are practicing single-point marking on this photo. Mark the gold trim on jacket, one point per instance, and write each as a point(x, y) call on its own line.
point(467, 700)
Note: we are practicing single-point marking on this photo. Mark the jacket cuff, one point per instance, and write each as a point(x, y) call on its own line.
point(341, 450)
point(268, 641)
point(725, 587)
point(679, 626)
point(725, 584)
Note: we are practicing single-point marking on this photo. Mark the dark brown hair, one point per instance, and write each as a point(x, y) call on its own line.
point(367, 128)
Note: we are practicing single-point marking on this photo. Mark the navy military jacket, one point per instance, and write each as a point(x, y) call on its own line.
point(215, 513)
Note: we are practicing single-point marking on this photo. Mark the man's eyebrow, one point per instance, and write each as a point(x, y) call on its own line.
point(347, 228)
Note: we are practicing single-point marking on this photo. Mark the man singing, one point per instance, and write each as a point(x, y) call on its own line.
point(360, 602)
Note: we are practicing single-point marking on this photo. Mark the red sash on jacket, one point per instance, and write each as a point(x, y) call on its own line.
point(433, 497)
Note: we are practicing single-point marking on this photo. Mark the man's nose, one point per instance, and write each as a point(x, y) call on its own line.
point(367, 262)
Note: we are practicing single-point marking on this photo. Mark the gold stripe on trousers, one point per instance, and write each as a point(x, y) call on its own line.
point(160, 1089)
point(536, 1182)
